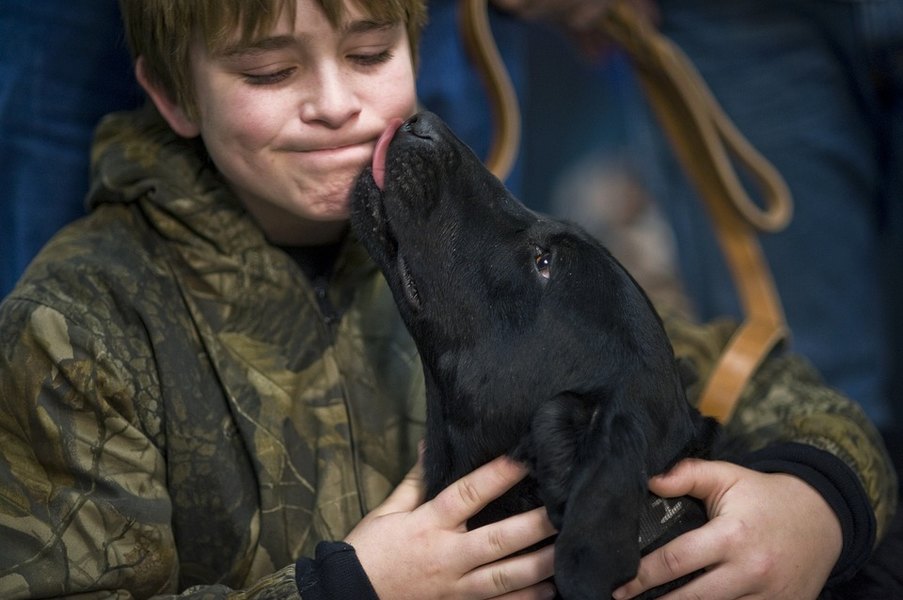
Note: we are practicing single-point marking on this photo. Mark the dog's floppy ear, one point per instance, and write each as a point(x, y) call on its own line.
point(588, 458)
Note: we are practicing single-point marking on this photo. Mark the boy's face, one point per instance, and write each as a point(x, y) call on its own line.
point(293, 119)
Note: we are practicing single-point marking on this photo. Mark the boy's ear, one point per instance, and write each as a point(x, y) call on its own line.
point(173, 113)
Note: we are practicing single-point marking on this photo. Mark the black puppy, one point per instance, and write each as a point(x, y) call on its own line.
point(535, 342)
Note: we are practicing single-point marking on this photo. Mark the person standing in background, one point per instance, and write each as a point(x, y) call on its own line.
point(63, 66)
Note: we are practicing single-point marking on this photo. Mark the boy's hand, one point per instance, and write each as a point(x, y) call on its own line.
point(411, 549)
point(770, 536)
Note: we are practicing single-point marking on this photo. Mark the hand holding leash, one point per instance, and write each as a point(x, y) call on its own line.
point(577, 16)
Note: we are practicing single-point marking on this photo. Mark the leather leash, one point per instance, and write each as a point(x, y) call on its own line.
point(476, 33)
point(704, 140)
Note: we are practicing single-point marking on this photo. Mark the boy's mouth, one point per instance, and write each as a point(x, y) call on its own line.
point(381, 151)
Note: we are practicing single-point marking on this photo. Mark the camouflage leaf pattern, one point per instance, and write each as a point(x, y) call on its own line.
point(787, 401)
point(178, 415)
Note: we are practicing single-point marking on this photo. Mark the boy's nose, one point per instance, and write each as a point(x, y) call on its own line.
point(330, 99)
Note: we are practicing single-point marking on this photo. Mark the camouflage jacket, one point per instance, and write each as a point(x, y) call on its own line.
point(179, 416)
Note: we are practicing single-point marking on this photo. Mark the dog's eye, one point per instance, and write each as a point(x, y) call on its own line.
point(543, 261)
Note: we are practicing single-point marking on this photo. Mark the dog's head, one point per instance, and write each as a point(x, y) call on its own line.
point(526, 326)
point(479, 278)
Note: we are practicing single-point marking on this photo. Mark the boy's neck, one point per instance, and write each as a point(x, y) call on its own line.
point(296, 231)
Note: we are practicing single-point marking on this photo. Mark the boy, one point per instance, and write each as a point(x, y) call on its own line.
point(205, 381)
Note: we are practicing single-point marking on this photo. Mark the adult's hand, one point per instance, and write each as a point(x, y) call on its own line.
point(579, 16)
point(411, 549)
point(769, 536)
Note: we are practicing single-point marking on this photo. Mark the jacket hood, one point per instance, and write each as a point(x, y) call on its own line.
point(138, 159)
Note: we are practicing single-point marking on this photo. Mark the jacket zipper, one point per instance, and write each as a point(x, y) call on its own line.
point(330, 319)
point(327, 309)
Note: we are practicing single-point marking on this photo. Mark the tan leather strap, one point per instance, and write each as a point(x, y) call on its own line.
point(704, 140)
point(695, 122)
point(473, 22)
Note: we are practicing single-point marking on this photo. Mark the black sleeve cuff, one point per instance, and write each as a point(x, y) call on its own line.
point(335, 574)
point(841, 489)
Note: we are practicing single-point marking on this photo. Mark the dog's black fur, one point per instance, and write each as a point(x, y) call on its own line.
point(535, 342)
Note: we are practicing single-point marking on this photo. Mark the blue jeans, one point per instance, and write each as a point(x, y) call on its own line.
point(62, 66)
point(816, 87)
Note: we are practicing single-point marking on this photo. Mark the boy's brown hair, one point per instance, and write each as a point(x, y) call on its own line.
point(162, 31)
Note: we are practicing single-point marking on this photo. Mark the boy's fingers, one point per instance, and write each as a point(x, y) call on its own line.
point(685, 554)
point(502, 538)
point(518, 576)
point(408, 495)
point(467, 496)
point(690, 477)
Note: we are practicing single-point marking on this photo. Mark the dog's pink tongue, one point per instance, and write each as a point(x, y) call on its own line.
point(380, 152)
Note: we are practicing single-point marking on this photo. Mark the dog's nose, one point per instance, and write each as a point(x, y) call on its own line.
point(423, 125)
